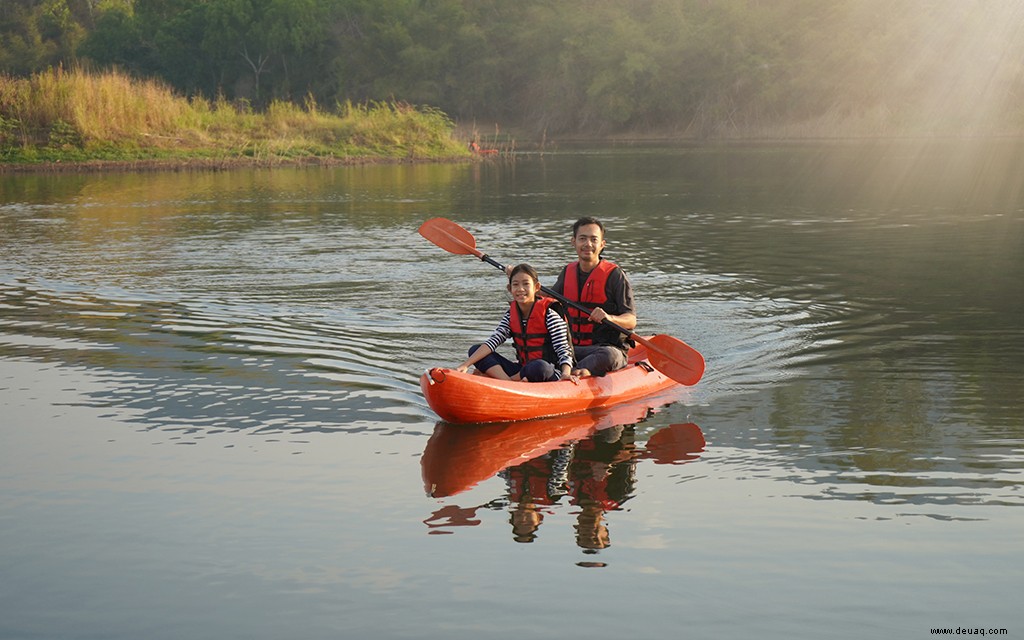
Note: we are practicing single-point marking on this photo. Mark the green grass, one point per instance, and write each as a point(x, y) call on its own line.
point(76, 116)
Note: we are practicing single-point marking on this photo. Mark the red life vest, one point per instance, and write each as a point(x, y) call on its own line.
point(532, 342)
point(595, 492)
point(592, 296)
point(529, 482)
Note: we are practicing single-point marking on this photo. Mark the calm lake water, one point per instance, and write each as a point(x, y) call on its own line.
point(211, 424)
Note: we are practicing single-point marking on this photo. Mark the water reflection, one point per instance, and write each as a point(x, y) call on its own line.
point(937, 465)
point(585, 463)
point(458, 457)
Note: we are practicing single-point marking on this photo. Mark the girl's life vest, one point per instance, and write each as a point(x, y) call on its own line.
point(534, 342)
point(585, 332)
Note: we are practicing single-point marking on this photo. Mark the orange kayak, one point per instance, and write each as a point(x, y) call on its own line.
point(463, 397)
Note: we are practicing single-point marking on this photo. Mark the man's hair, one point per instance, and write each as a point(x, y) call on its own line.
point(585, 220)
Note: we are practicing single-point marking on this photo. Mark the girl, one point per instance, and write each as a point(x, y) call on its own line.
point(541, 337)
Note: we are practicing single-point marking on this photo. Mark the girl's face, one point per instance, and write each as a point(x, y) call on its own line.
point(523, 288)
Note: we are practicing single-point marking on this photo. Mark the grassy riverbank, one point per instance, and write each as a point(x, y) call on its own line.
point(83, 119)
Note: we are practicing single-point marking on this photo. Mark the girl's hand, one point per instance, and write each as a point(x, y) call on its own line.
point(462, 368)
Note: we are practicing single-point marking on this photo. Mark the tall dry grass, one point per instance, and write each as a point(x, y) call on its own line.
point(80, 114)
point(110, 107)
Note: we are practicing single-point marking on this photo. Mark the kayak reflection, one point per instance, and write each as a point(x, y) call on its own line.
point(458, 457)
point(587, 461)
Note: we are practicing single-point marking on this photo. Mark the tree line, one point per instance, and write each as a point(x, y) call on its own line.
point(694, 67)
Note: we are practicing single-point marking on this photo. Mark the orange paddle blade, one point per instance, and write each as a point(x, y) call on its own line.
point(674, 358)
point(449, 236)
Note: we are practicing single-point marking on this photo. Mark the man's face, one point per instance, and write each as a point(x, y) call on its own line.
point(588, 242)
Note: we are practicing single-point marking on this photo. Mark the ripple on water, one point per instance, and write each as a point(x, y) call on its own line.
point(196, 366)
point(909, 477)
point(749, 343)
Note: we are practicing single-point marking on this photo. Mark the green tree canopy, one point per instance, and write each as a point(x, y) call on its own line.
point(702, 67)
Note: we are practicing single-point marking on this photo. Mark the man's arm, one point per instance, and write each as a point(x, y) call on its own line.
point(620, 299)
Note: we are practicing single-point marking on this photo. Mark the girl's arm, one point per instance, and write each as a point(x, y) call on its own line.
point(477, 355)
point(557, 330)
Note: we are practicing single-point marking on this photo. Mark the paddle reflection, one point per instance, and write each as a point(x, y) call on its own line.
point(583, 465)
point(675, 444)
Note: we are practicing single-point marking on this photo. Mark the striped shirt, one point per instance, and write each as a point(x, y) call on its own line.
point(556, 331)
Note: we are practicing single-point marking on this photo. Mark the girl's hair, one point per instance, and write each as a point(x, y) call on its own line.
point(524, 268)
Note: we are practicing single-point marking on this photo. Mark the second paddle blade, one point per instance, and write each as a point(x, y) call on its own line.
point(676, 359)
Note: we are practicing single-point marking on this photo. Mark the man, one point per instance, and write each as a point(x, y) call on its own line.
point(603, 287)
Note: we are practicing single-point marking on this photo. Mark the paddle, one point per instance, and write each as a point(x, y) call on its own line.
point(669, 355)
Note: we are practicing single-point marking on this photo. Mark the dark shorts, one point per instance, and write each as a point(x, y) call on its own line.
point(599, 359)
point(533, 371)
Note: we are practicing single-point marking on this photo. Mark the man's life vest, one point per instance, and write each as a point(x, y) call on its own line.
point(585, 332)
point(534, 342)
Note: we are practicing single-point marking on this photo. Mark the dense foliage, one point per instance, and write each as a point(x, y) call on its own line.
point(700, 67)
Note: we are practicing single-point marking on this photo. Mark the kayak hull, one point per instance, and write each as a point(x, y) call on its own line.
point(464, 398)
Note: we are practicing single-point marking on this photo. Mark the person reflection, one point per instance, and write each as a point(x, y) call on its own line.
point(525, 519)
point(533, 488)
point(603, 475)
point(597, 474)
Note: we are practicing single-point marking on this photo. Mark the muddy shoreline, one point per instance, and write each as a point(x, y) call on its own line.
point(211, 164)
